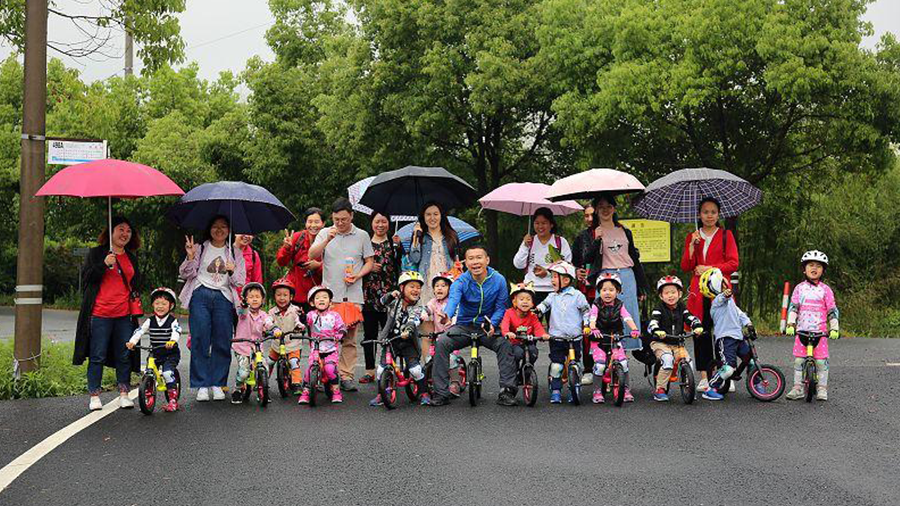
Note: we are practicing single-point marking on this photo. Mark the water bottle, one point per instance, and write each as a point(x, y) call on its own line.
point(348, 268)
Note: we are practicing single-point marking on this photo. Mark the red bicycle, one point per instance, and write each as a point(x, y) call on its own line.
point(394, 376)
point(614, 376)
point(317, 368)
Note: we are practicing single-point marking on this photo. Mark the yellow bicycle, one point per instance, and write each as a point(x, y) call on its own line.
point(152, 382)
point(259, 372)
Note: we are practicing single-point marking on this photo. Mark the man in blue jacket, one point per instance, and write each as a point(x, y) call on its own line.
point(478, 299)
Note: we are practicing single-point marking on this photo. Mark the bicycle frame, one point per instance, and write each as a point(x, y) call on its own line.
point(152, 368)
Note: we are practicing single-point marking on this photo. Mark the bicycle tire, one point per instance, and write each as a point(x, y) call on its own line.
point(147, 393)
point(313, 383)
point(617, 384)
point(429, 376)
point(574, 384)
point(765, 374)
point(687, 382)
point(811, 379)
point(474, 383)
point(530, 386)
point(262, 386)
point(283, 377)
point(387, 387)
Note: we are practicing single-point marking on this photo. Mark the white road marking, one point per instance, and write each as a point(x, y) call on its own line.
point(893, 364)
point(21, 464)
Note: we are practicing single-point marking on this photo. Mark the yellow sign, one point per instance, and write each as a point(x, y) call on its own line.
point(653, 239)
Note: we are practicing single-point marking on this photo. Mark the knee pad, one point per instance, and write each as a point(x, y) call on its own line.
point(667, 361)
point(822, 364)
point(556, 370)
point(330, 372)
point(798, 363)
point(378, 371)
point(725, 372)
point(242, 374)
point(599, 368)
point(168, 376)
point(416, 372)
point(624, 365)
point(294, 362)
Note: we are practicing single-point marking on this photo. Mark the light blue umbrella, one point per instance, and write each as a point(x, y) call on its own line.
point(463, 230)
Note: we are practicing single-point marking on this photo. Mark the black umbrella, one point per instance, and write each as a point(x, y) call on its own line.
point(407, 190)
point(250, 209)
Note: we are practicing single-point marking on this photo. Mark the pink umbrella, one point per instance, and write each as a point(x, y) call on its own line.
point(589, 183)
point(522, 199)
point(109, 178)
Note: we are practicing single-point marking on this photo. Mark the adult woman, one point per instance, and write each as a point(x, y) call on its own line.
point(304, 272)
point(251, 258)
point(580, 247)
point(381, 280)
point(212, 275)
point(111, 278)
point(707, 247)
point(435, 250)
point(536, 253)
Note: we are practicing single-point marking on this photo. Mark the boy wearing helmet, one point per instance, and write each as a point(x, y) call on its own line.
point(252, 323)
point(403, 321)
point(669, 317)
point(164, 333)
point(608, 316)
point(287, 318)
point(812, 309)
point(520, 318)
point(568, 316)
point(323, 321)
point(729, 327)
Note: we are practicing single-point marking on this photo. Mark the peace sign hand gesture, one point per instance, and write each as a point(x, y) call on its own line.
point(288, 235)
point(190, 246)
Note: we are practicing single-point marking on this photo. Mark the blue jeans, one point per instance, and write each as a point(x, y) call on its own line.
point(629, 297)
point(106, 334)
point(211, 320)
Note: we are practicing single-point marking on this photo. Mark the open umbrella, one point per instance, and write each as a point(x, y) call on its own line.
point(463, 230)
point(675, 198)
point(356, 191)
point(407, 190)
point(522, 199)
point(250, 209)
point(109, 178)
point(590, 183)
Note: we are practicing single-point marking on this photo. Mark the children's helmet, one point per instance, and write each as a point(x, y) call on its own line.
point(253, 284)
point(814, 256)
point(669, 280)
point(316, 289)
point(563, 268)
point(712, 283)
point(411, 276)
point(167, 293)
point(446, 276)
point(515, 289)
point(284, 283)
point(609, 276)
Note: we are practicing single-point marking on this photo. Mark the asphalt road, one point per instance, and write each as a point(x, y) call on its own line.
point(739, 451)
point(58, 325)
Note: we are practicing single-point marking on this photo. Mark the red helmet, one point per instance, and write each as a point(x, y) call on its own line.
point(284, 283)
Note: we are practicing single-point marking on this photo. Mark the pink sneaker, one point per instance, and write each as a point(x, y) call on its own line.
point(598, 396)
point(628, 396)
point(336, 396)
point(304, 397)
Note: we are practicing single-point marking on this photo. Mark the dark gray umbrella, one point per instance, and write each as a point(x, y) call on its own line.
point(675, 198)
point(407, 190)
point(250, 209)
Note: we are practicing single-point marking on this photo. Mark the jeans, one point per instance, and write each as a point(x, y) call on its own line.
point(453, 340)
point(110, 334)
point(210, 318)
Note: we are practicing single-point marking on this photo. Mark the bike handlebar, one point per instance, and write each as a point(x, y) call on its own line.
point(566, 338)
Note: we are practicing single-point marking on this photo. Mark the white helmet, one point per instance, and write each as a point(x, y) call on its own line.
point(669, 280)
point(316, 289)
point(609, 276)
point(814, 256)
point(712, 283)
point(252, 284)
point(562, 268)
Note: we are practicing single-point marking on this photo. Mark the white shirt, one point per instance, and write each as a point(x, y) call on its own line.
point(707, 240)
point(539, 254)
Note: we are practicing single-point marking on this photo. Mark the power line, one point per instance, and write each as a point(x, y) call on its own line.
point(230, 35)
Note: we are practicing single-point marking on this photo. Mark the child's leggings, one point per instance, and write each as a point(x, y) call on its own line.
point(293, 360)
point(821, 369)
point(330, 371)
point(243, 369)
point(599, 356)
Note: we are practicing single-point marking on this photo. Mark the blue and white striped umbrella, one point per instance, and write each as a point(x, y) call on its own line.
point(675, 198)
point(463, 230)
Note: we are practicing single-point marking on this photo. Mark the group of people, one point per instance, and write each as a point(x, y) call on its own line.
point(340, 278)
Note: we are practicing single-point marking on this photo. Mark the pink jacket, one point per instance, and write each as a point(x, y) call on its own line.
point(813, 309)
point(250, 326)
point(326, 324)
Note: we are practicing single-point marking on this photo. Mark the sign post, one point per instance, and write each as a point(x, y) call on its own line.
point(74, 151)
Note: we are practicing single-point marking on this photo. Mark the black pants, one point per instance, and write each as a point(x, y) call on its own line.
point(372, 323)
point(703, 344)
point(453, 340)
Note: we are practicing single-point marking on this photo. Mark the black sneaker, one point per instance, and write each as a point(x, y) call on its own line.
point(237, 396)
point(507, 398)
point(439, 400)
point(348, 386)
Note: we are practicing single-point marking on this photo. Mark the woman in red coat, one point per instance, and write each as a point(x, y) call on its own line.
point(707, 247)
point(294, 253)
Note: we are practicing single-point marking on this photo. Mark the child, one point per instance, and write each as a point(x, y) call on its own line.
point(404, 322)
point(729, 326)
point(287, 318)
point(323, 321)
point(812, 309)
point(252, 322)
point(440, 286)
point(669, 317)
point(609, 316)
point(568, 316)
point(164, 333)
point(519, 318)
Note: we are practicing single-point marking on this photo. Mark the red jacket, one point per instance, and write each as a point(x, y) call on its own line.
point(295, 256)
point(725, 259)
point(512, 321)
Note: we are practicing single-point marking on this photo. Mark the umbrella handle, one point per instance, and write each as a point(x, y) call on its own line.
point(109, 223)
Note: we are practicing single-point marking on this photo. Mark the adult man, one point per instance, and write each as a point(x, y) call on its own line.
point(347, 256)
point(478, 299)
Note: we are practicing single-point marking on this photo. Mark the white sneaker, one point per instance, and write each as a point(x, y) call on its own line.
point(202, 394)
point(96, 403)
point(821, 393)
point(125, 402)
point(731, 387)
point(587, 379)
point(218, 394)
point(703, 386)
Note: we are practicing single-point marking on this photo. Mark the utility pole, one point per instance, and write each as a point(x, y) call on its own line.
point(129, 51)
point(30, 266)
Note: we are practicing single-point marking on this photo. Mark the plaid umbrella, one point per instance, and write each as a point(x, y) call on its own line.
point(675, 198)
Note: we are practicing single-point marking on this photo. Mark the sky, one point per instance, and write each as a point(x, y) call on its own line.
point(223, 34)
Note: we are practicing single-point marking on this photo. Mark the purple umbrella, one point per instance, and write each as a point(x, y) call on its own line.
point(676, 197)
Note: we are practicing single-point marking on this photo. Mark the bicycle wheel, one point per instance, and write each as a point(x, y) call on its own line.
point(283, 377)
point(177, 382)
point(463, 381)
point(574, 384)
point(617, 384)
point(313, 383)
point(686, 382)
point(765, 382)
point(529, 385)
point(262, 386)
point(147, 393)
point(810, 379)
point(474, 382)
point(387, 387)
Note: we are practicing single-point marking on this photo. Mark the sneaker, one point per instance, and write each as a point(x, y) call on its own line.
point(96, 404)
point(202, 394)
point(425, 399)
point(821, 393)
point(731, 388)
point(703, 385)
point(795, 393)
point(628, 396)
point(598, 396)
point(368, 378)
point(376, 401)
point(439, 400)
point(454, 389)
point(297, 388)
point(237, 397)
point(348, 386)
point(125, 402)
point(172, 406)
point(660, 395)
point(218, 394)
point(587, 379)
point(507, 398)
point(555, 397)
point(711, 395)
point(336, 396)
point(304, 397)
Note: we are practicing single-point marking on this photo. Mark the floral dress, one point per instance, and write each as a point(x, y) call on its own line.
point(376, 284)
